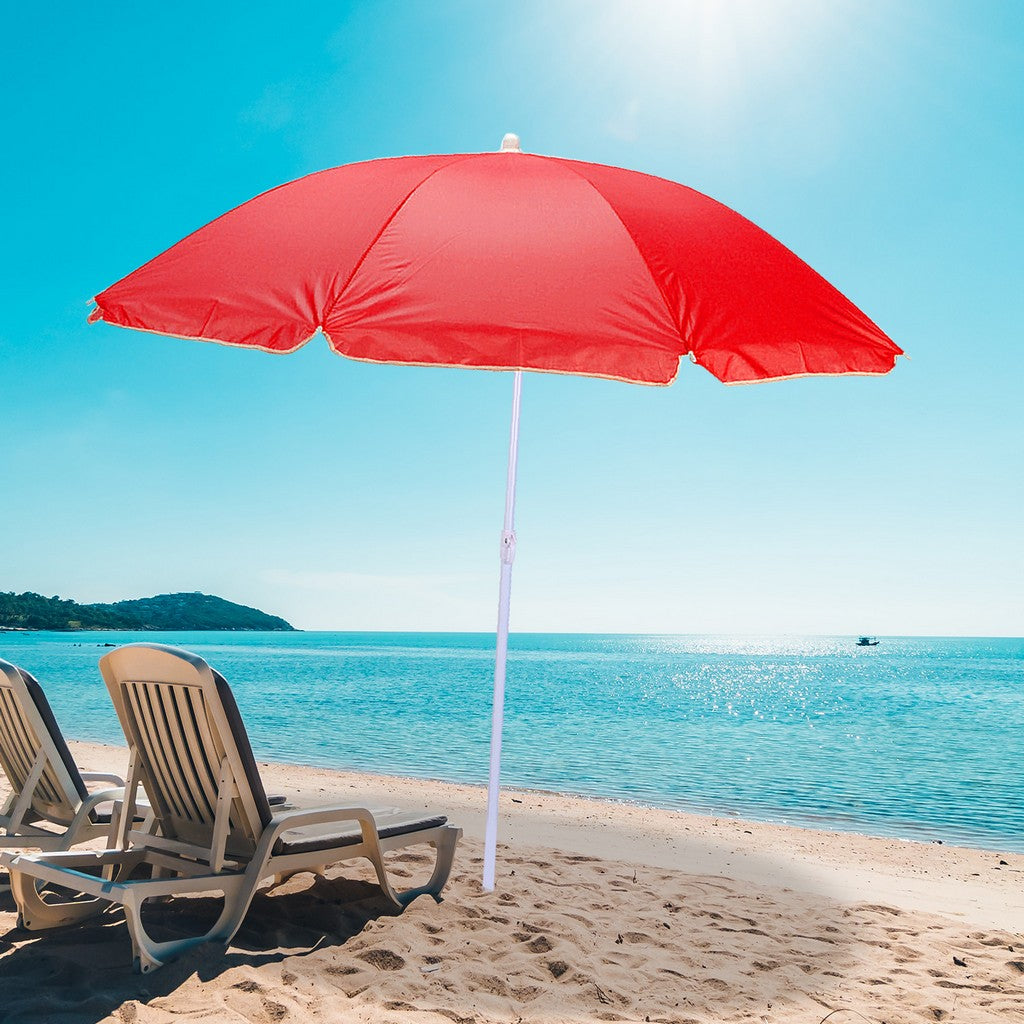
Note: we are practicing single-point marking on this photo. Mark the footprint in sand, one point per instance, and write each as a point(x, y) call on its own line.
point(540, 945)
point(475, 924)
point(383, 959)
point(532, 929)
point(409, 858)
point(527, 993)
point(274, 1011)
point(580, 919)
point(452, 1015)
point(904, 954)
point(489, 983)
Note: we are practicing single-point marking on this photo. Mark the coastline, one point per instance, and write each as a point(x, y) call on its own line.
point(966, 883)
point(602, 912)
point(918, 743)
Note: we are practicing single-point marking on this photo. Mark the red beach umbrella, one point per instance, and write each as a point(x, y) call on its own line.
point(503, 261)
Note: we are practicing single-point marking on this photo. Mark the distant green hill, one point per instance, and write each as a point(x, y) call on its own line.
point(165, 611)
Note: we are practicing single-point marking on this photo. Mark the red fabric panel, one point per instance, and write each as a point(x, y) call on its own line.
point(747, 307)
point(262, 274)
point(508, 260)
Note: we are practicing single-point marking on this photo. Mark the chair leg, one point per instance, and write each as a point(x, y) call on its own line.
point(377, 860)
point(57, 843)
point(37, 914)
point(148, 954)
point(445, 849)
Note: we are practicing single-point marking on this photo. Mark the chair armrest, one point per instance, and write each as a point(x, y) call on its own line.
point(92, 801)
point(100, 796)
point(114, 780)
point(287, 820)
point(298, 817)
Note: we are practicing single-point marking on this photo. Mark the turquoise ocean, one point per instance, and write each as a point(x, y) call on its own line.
point(917, 738)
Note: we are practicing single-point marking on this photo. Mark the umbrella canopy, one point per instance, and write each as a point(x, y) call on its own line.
point(503, 261)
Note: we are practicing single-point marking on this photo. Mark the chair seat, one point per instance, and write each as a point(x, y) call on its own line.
point(314, 838)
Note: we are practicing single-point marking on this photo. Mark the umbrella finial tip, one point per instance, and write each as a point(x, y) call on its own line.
point(510, 143)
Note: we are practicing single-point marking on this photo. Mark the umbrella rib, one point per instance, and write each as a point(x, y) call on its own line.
point(387, 223)
point(639, 252)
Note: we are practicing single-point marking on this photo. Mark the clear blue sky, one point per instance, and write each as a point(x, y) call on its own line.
point(883, 142)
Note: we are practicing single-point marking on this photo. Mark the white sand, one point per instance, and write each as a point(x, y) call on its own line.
point(602, 912)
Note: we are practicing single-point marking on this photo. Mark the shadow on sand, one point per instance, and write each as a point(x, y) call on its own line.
point(86, 971)
point(604, 940)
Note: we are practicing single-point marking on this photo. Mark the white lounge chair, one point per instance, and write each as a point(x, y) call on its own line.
point(50, 806)
point(216, 830)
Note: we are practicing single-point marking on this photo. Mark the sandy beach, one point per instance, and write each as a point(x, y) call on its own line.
point(603, 912)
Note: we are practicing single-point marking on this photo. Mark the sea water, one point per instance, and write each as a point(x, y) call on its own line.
point(919, 738)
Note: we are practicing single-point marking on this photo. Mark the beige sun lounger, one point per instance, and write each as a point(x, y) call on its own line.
point(50, 806)
point(214, 829)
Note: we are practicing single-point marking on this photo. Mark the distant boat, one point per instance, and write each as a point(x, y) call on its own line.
point(867, 641)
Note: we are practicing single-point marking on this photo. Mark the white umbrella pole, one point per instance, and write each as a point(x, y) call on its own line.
point(508, 554)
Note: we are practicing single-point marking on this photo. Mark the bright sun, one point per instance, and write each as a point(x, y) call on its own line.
point(704, 57)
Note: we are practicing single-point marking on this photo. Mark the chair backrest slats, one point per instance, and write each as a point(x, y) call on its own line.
point(16, 743)
point(204, 785)
point(180, 765)
point(144, 737)
point(170, 745)
point(27, 727)
point(172, 708)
